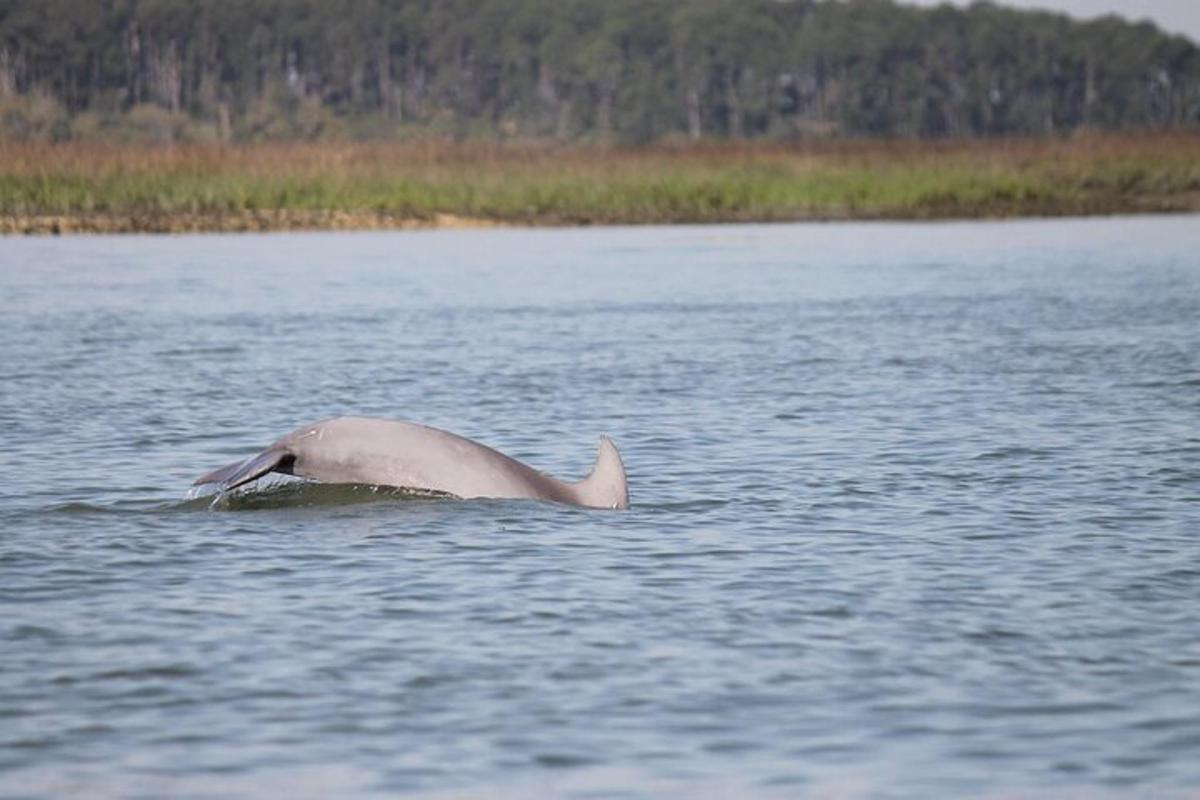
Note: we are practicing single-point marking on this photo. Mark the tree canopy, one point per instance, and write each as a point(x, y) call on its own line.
point(616, 70)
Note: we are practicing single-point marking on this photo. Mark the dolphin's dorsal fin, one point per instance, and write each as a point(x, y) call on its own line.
point(606, 486)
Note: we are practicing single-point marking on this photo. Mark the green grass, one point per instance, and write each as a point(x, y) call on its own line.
point(126, 188)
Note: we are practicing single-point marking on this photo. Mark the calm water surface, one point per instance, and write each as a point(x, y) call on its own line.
point(916, 514)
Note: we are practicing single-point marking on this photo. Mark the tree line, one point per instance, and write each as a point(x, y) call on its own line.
point(602, 70)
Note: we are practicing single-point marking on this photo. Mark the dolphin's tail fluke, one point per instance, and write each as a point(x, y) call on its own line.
point(239, 472)
point(606, 486)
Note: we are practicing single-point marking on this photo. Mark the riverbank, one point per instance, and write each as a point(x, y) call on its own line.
point(115, 189)
point(227, 221)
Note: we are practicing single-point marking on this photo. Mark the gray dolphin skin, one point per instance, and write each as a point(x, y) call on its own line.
point(405, 454)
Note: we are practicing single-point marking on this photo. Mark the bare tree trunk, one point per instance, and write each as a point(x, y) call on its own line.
point(166, 75)
point(734, 102)
point(693, 113)
point(604, 124)
point(133, 63)
point(224, 124)
point(383, 65)
point(8, 78)
point(562, 127)
point(1089, 90)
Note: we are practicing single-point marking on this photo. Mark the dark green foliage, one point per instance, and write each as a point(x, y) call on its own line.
point(628, 70)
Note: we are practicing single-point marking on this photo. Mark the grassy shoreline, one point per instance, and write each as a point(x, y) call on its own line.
point(83, 187)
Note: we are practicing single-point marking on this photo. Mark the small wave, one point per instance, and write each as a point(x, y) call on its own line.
point(122, 508)
point(1015, 452)
point(171, 670)
point(1180, 383)
point(83, 508)
point(215, 350)
point(23, 632)
point(77, 508)
point(684, 506)
point(560, 760)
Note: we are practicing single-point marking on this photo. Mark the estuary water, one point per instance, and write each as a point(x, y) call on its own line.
point(916, 513)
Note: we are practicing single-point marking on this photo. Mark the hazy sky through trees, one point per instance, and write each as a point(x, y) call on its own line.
point(1173, 16)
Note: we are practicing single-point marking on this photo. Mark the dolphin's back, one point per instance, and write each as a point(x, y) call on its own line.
point(398, 453)
point(407, 454)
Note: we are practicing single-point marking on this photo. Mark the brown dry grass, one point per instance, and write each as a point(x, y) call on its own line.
point(104, 187)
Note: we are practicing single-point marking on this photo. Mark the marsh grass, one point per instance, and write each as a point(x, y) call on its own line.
point(109, 187)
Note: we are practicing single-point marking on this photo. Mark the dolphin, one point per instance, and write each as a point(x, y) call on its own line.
point(385, 452)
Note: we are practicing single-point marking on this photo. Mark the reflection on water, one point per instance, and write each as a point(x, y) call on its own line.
point(270, 493)
point(914, 514)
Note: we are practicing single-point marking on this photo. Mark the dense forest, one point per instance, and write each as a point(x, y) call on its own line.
point(577, 70)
